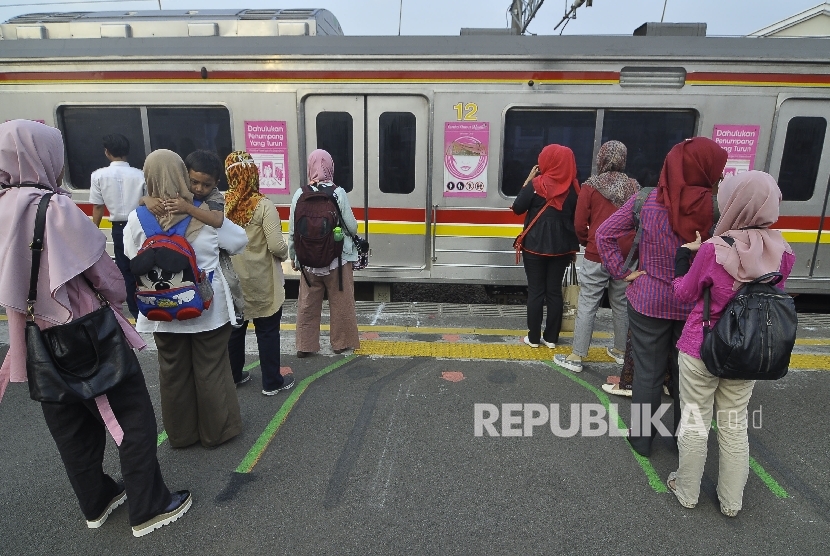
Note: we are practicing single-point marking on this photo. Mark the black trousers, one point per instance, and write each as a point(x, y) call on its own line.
point(544, 287)
point(267, 331)
point(123, 264)
point(653, 343)
point(80, 435)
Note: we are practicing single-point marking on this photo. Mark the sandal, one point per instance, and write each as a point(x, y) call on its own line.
point(728, 513)
point(670, 483)
point(616, 390)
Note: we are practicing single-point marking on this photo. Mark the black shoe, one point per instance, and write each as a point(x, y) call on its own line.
point(288, 382)
point(301, 354)
point(179, 504)
point(116, 501)
point(246, 376)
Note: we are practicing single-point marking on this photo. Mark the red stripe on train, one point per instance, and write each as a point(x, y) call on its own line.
point(758, 77)
point(277, 75)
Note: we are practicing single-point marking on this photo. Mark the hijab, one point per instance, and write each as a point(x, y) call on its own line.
point(243, 194)
point(611, 181)
point(167, 178)
point(320, 167)
point(691, 170)
point(749, 203)
point(557, 174)
point(32, 153)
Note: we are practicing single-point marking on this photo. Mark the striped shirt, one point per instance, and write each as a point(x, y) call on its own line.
point(650, 294)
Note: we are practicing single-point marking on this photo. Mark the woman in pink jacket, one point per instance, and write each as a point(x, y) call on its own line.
point(31, 165)
point(749, 204)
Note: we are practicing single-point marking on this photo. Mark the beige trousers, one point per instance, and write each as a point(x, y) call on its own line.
point(198, 396)
point(343, 319)
point(701, 395)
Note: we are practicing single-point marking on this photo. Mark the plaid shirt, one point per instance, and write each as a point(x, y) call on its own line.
point(650, 294)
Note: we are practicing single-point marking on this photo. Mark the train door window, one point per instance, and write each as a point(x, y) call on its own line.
point(397, 152)
point(186, 129)
point(801, 158)
point(527, 131)
point(84, 128)
point(648, 137)
point(334, 135)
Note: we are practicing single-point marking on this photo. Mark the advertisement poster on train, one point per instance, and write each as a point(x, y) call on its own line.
point(741, 142)
point(267, 142)
point(466, 150)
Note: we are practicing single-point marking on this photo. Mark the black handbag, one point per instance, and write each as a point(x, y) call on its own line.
point(755, 336)
point(81, 359)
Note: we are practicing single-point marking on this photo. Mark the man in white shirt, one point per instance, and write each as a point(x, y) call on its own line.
point(119, 188)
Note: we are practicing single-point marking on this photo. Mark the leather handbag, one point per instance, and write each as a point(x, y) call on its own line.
point(81, 359)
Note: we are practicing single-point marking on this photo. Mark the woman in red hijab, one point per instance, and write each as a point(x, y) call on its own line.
point(548, 242)
point(673, 214)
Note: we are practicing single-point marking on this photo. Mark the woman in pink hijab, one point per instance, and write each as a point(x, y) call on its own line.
point(749, 204)
point(31, 164)
point(335, 279)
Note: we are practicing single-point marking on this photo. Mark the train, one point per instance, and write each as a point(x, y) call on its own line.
point(432, 137)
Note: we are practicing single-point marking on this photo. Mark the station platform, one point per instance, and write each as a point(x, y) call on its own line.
point(384, 451)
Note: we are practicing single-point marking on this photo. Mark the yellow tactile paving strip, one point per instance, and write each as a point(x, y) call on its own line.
point(518, 352)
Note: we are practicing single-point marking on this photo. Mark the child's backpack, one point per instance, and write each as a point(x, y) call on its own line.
point(169, 284)
point(755, 336)
point(316, 216)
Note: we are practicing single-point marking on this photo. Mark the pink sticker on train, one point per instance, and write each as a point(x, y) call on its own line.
point(741, 142)
point(267, 142)
point(466, 152)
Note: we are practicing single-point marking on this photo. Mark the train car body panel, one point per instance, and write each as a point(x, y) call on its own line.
point(433, 136)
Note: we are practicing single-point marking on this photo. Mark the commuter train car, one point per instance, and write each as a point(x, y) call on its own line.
point(432, 137)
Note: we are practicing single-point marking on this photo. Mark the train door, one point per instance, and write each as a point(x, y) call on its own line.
point(801, 164)
point(380, 149)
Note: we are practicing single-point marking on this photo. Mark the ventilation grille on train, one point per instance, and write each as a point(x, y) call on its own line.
point(674, 78)
point(58, 17)
point(258, 14)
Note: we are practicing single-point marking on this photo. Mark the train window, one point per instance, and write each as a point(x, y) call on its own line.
point(335, 135)
point(84, 128)
point(397, 152)
point(648, 136)
point(801, 157)
point(527, 131)
point(186, 129)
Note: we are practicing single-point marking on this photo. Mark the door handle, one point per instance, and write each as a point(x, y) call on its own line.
point(434, 230)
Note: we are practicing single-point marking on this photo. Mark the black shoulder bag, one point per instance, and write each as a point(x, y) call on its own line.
point(81, 359)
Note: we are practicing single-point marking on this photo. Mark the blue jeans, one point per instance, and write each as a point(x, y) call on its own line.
point(123, 264)
point(267, 331)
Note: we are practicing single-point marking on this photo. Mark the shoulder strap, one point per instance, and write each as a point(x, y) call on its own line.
point(520, 239)
point(37, 249)
point(642, 197)
point(148, 222)
point(180, 228)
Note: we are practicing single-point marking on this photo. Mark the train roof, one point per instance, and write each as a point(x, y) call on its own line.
point(454, 48)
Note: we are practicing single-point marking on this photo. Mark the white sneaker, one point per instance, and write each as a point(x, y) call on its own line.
point(551, 345)
point(528, 342)
point(617, 356)
point(570, 364)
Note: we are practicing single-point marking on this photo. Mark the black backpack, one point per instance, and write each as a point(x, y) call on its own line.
point(755, 336)
point(316, 215)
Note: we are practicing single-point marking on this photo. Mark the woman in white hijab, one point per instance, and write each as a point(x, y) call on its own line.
point(31, 165)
